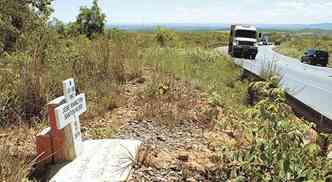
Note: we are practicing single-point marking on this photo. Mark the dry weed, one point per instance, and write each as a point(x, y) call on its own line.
point(170, 101)
point(16, 151)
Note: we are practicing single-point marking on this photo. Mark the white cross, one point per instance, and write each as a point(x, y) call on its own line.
point(68, 114)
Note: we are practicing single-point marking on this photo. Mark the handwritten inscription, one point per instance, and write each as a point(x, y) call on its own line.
point(66, 113)
point(73, 108)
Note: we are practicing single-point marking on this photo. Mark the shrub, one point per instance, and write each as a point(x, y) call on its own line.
point(276, 151)
point(165, 37)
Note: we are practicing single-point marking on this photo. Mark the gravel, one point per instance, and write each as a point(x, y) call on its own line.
point(182, 137)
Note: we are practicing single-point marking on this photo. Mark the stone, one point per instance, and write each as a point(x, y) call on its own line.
point(162, 160)
point(329, 150)
point(191, 179)
point(159, 179)
point(329, 155)
point(161, 138)
point(195, 166)
point(140, 80)
point(310, 137)
point(184, 157)
point(216, 139)
point(102, 160)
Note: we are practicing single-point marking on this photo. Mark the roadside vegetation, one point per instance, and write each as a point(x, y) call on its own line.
point(164, 76)
point(299, 43)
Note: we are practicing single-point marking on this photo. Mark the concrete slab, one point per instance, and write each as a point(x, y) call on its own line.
point(101, 161)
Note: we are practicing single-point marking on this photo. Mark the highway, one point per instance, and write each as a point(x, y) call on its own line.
point(311, 85)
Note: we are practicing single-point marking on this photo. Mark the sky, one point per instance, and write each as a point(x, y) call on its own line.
point(203, 11)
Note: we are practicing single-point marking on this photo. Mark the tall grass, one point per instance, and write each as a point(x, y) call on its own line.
point(205, 69)
point(32, 78)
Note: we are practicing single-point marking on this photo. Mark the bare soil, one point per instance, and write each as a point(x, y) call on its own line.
point(173, 150)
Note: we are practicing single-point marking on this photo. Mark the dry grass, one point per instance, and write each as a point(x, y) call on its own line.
point(170, 101)
point(101, 68)
point(17, 150)
point(13, 168)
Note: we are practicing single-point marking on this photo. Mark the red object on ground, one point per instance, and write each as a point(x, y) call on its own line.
point(50, 142)
point(44, 147)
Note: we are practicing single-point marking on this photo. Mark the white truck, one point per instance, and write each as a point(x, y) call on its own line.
point(242, 41)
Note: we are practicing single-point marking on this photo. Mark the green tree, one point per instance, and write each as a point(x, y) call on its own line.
point(18, 17)
point(91, 20)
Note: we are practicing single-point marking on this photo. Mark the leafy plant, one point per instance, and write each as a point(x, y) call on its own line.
point(165, 37)
point(276, 151)
point(19, 18)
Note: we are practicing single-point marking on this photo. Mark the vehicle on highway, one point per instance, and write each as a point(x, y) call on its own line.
point(261, 43)
point(242, 41)
point(315, 57)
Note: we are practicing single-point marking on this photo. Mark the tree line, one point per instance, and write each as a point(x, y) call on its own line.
point(21, 18)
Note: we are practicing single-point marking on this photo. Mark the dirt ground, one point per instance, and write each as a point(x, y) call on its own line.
point(182, 150)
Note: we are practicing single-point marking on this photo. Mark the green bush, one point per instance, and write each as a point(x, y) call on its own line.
point(165, 37)
point(276, 151)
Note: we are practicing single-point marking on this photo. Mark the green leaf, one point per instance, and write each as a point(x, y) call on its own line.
point(312, 149)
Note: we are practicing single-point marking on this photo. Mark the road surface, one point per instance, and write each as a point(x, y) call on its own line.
point(312, 85)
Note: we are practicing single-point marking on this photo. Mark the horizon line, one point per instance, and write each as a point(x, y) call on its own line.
point(205, 23)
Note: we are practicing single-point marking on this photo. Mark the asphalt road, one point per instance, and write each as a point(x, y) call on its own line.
point(312, 85)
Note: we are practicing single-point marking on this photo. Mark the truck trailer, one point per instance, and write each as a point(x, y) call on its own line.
point(242, 41)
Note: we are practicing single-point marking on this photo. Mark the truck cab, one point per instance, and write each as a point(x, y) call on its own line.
point(242, 42)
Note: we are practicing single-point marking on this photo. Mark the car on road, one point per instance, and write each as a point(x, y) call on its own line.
point(315, 57)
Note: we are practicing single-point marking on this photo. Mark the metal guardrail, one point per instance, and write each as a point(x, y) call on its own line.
point(310, 85)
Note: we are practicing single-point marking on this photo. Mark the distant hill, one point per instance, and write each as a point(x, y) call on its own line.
point(323, 26)
point(181, 27)
point(296, 27)
point(196, 27)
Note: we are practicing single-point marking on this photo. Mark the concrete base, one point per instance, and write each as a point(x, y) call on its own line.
point(101, 161)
